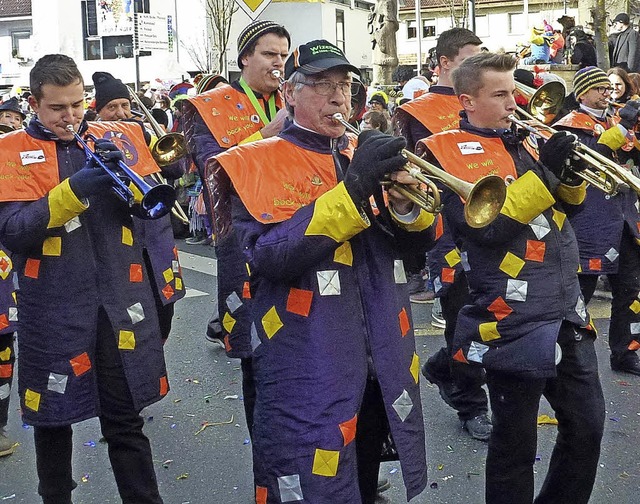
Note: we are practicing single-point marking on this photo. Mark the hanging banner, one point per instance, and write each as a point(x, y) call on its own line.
point(253, 8)
point(114, 17)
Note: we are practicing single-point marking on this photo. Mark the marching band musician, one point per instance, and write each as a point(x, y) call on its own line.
point(113, 103)
point(436, 111)
point(334, 353)
point(607, 226)
point(249, 109)
point(526, 324)
point(90, 340)
point(11, 117)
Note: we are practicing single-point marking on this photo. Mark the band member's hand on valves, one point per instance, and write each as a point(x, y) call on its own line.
point(629, 114)
point(92, 180)
point(376, 156)
point(555, 154)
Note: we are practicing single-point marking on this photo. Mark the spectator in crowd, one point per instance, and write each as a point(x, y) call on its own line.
point(584, 53)
point(624, 45)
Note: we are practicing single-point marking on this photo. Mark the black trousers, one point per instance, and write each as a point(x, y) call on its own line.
point(372, 429)
point(575, 395)
point(121, 425)
point(248, 391)
point(625, 286)
point(6, 342)
point(465, 388)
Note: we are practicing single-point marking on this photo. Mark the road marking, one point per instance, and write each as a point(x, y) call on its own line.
point(201, 264)
point(194, 293)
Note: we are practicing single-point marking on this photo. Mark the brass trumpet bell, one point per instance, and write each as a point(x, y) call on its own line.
point(543, 103)
point(483, 200)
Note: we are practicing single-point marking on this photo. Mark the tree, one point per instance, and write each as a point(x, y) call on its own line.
point(599, 16)
point(208, 52)
point(219, 15)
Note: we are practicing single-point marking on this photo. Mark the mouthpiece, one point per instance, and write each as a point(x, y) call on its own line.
point(277, 74)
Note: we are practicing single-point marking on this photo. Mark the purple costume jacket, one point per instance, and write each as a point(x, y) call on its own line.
point(330, 307)
point(68, 270)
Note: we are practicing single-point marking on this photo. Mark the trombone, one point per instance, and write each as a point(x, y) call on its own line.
point(545, 102)
point(169, 147)
point(156, 200)
point(483, 200)
point(601, 172)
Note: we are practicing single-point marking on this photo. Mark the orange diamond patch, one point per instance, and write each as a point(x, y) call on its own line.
point(299, 301)
point(32, 268)
point(500, 308)
point(135, 273)
point(348, 430)
point(535, 251)
point(80, 364)
point(404, 322)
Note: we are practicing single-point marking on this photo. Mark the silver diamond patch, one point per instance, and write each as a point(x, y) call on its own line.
point(329, 283)
point(403, 405)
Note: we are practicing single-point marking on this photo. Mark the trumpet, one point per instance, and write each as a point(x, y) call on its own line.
point(169, 148)
point(156, 200)
point(483, 200)
point(602, 172)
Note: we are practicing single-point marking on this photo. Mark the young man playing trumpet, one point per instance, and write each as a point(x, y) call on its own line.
point(89, 332)
point(434, 112)
point(606, 226)
point(526, 324)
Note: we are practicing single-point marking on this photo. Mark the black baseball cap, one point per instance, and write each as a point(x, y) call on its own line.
point(315, 57)
point(622, 17)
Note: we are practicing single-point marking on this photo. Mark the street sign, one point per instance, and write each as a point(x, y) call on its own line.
point(151, 33)
point(253, 8)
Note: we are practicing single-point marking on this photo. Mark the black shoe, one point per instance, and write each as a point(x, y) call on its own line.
point(631, 366)
point(383, 485)
point(479, 427)
point(445, 387)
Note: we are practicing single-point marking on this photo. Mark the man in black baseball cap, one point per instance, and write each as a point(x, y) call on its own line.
point(624, 44)
point(330, 387)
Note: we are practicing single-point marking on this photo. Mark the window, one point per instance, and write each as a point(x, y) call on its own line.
point(411, 30)
point(117, 47)
point(342, 2)
point(482, 26)
point(340, 29)
point(362, 5)
point(16, 38)
point(428, 28)
point(516, 24)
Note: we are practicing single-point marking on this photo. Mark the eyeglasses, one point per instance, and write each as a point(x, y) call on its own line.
point(604, 89)
point(327, 88)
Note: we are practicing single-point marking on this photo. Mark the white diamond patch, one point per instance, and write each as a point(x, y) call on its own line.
point(612, 254)
point(464, 259)
point(581, 309)
point(398, 272)
point(57, 383)
point(329, 283)
point(72, 224)
point(477, 351)
point(403, 405)
point(516, 290)
point(136, 313)
point(290, 490)
point(540, 226)
point(5, 391)
point(255, 339)
point(233, 302)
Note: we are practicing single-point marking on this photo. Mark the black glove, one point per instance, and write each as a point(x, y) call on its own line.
point(629, 114)
point(555, 152)
point(376, 156)
point(92, 179)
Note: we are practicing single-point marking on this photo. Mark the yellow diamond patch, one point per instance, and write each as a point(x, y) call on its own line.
point(489, 331)
point(178, 283)
point(127, 236)
point(228, 322)
point(452, 257)
point(271, 322)
point(415, 366)
point(635, 306)
point(511, 265)
point(5, 354)
point(325, 462)
point(126, 340)
point(52, 246)
point(32, 400)
point(559, 218)
point(344, 254)
point(168, 275)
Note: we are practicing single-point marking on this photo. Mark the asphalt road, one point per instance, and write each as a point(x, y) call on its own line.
point(201, 447)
